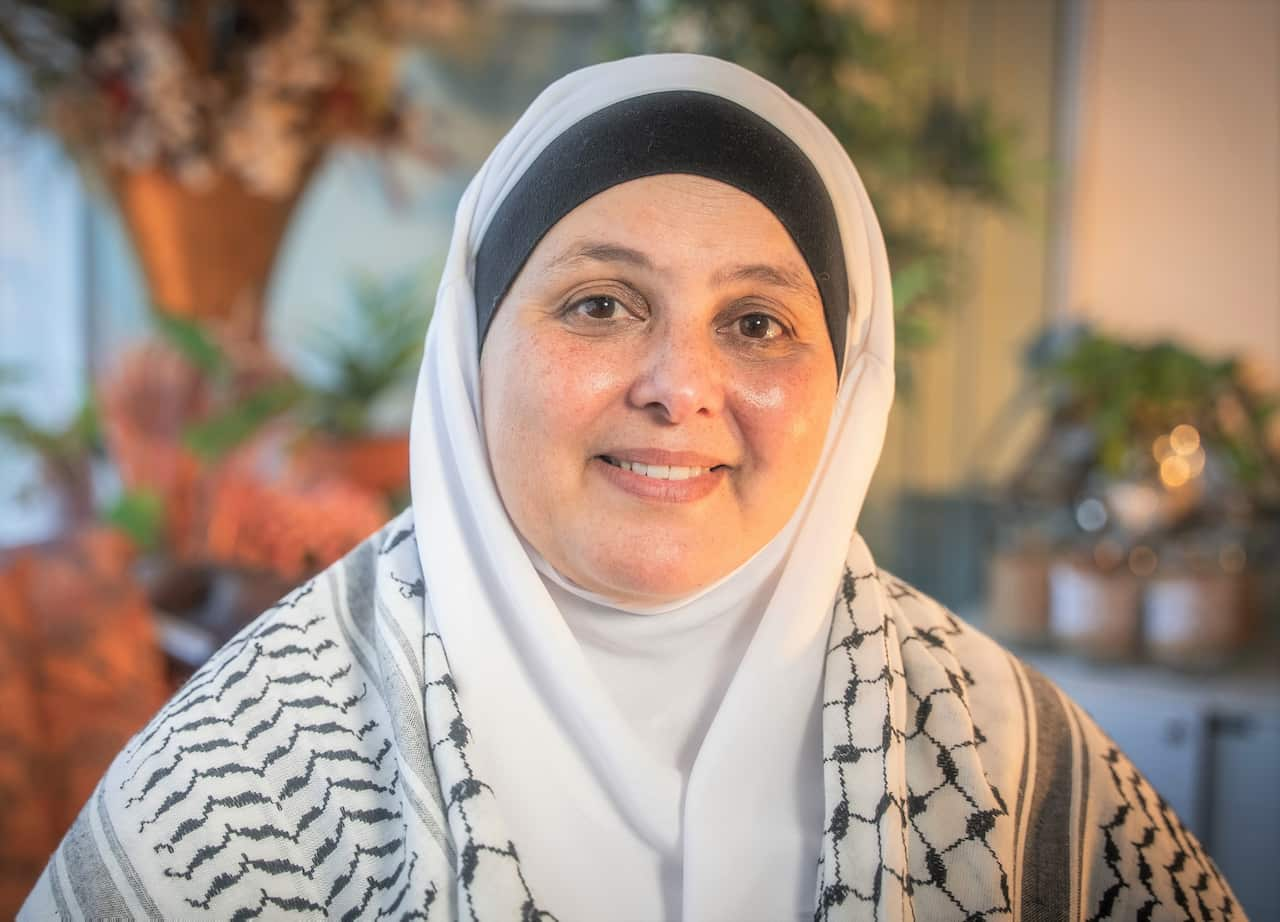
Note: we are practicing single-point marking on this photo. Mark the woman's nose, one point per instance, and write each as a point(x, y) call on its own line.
point(681, 378)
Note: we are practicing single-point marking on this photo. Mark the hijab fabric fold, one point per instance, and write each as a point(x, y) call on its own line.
point(554, 744)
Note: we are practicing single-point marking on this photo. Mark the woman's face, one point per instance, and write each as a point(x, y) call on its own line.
point(656, 387)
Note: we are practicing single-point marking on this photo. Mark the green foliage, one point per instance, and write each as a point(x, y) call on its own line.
point(213, 438)
point(963, 146)
point(140, 515)
point(56, 447)
point(905, 137)
point(1128, 393)
point(193, 341)
point(216, 435)
point(66, 452)
point(380, 352)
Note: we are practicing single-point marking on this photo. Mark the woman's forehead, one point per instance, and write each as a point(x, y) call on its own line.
point(647, 221)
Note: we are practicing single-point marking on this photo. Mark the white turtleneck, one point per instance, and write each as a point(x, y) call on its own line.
point(666, 670)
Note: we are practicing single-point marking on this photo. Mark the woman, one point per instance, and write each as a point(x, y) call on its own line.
point(626, 657)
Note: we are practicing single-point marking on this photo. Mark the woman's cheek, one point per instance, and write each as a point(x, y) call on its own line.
point(578, 376)
point(778, 413)
point(766, 398)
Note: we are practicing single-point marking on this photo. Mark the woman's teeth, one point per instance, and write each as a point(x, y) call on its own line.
point(658, 471)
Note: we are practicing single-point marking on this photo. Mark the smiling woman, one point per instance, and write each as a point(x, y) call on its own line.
point(660, 376)
point(627, 657)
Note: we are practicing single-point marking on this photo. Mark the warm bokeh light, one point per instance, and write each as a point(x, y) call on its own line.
point(1107, 554)
point(1174, 471)
point(1195, 462)
point(1184, 439)
point(1143, 560)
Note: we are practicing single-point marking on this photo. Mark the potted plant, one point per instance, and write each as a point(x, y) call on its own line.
point(1173, 447)
point(92, 517)
point(1095, 606)
point(80, 671)
point(370, 363)
point(1017, 598)
point(175, 406)
point(1196, 615)
point(1035, 518)
point(197, 423)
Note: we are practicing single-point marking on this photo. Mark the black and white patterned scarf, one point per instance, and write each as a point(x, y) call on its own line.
point(320, 767)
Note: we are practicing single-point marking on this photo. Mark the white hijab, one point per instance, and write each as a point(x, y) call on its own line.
point(605, 829)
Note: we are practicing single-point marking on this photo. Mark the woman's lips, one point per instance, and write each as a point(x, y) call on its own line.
point(669, 482)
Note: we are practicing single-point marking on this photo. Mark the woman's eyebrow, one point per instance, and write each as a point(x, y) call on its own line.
point(780, 276)
point(601, 252)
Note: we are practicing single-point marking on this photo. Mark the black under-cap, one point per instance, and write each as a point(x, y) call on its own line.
point(674, 131)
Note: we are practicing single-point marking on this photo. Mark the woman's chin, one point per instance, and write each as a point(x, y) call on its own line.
point(653, 579)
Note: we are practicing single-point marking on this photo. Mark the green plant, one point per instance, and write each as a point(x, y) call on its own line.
point(378, 352)
point(907, 138)
point(57, 446)
point(244, 407)
point(65, 452)
point(140, 515)
point(1129, 394)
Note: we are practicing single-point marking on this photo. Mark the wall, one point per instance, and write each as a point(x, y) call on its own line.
point(1176, 224)
point(945, 432)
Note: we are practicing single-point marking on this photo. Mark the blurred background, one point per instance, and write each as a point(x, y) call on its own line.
point(221, 224)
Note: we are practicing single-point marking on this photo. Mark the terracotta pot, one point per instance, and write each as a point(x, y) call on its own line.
point(378, 463)
point(1195, 620)
point(206, 252)
point(1095, 613)
point(1018, 597)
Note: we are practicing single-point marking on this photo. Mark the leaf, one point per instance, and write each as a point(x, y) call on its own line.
point(189, 338)
point(140, 515)
point(914, 282)
point(380, 349)
point(211, 439)
point(17, 429)
point(86, 428)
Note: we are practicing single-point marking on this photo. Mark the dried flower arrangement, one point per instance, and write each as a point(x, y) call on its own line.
point(253, 89)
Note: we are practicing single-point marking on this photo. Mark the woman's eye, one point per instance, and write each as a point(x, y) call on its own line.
point(759, 326)
point(599, 307)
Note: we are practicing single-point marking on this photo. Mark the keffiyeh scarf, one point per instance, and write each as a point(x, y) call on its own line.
point(320, 767)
